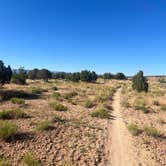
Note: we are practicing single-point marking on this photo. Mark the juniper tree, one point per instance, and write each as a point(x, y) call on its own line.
point(120, 76)
point(20, 76)
point(139, 82)
point(32, 74)
point(44, 74)
point(108, 76)
point(5, 73)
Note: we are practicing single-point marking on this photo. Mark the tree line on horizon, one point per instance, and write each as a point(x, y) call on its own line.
point(139, 82)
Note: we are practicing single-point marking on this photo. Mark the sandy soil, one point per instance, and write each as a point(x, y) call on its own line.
point(119, 141)
point(150, 150)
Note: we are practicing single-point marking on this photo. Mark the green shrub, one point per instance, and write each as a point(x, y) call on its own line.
point(156, 103)
point(75, 77)
point(120, 76)
point(5, 73)
point(101, 113)
point(67, 163)
point(107, 76)
point(163, 108)
point(133, 129)
point(142, 108)
point(18, 113)
point(45, 125)
point(162, 80)
point(105, 95)
point(151, 131)
point(161, 121)
point(4, 162)
point(54, 88)
point(6, 114)
point(57, 96)
point(58, 118)
point(44, 74)
point(160, 93)
point(146, 141)
point(88, 76)
point(36, 90)
point(29, 160)
point(89, 104)
point(20, 77)
point(12, 114)
point(7, 130)
point(126, 104)
point(58, 107)
point(70, 95)
point(139, 82)
point(16, 100)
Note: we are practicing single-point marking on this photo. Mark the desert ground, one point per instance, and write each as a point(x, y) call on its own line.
point(61, 123)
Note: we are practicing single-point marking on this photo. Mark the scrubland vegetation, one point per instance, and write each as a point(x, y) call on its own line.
point(61, 118)
point(66, 124)
point(143, 110)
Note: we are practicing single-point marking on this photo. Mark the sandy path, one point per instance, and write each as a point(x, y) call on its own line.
point(119, 140)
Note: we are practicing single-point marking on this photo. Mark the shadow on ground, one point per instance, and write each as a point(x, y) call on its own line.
point(8, 94)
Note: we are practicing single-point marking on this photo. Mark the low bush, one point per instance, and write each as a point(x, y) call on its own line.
point(156, 103)
point(70, 95)
point(16, 100)
point(36, 90)
point(67, 163)
point(6, 114)
point(54, 88)
point(160, 93)
point(133, 129)
point(105, 95)
point(7, 130)
point(126, 104)
point(57, 96)
point(146, 141)
point(44, 126)
point(101, 113)
point(12, 114)
point(4, 162)
point(151, 131)
point(161, 121)
point(58, 107)
point(142, 108)
point(58, 118)
point(163, 107)
point(89, 104)
point(30, 160)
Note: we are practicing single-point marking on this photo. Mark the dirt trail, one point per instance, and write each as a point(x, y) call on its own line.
point(119, 140)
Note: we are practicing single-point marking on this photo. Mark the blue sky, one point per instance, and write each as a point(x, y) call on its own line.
point(71, 35)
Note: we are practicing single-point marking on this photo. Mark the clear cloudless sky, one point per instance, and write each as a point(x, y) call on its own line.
point(71, 35)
